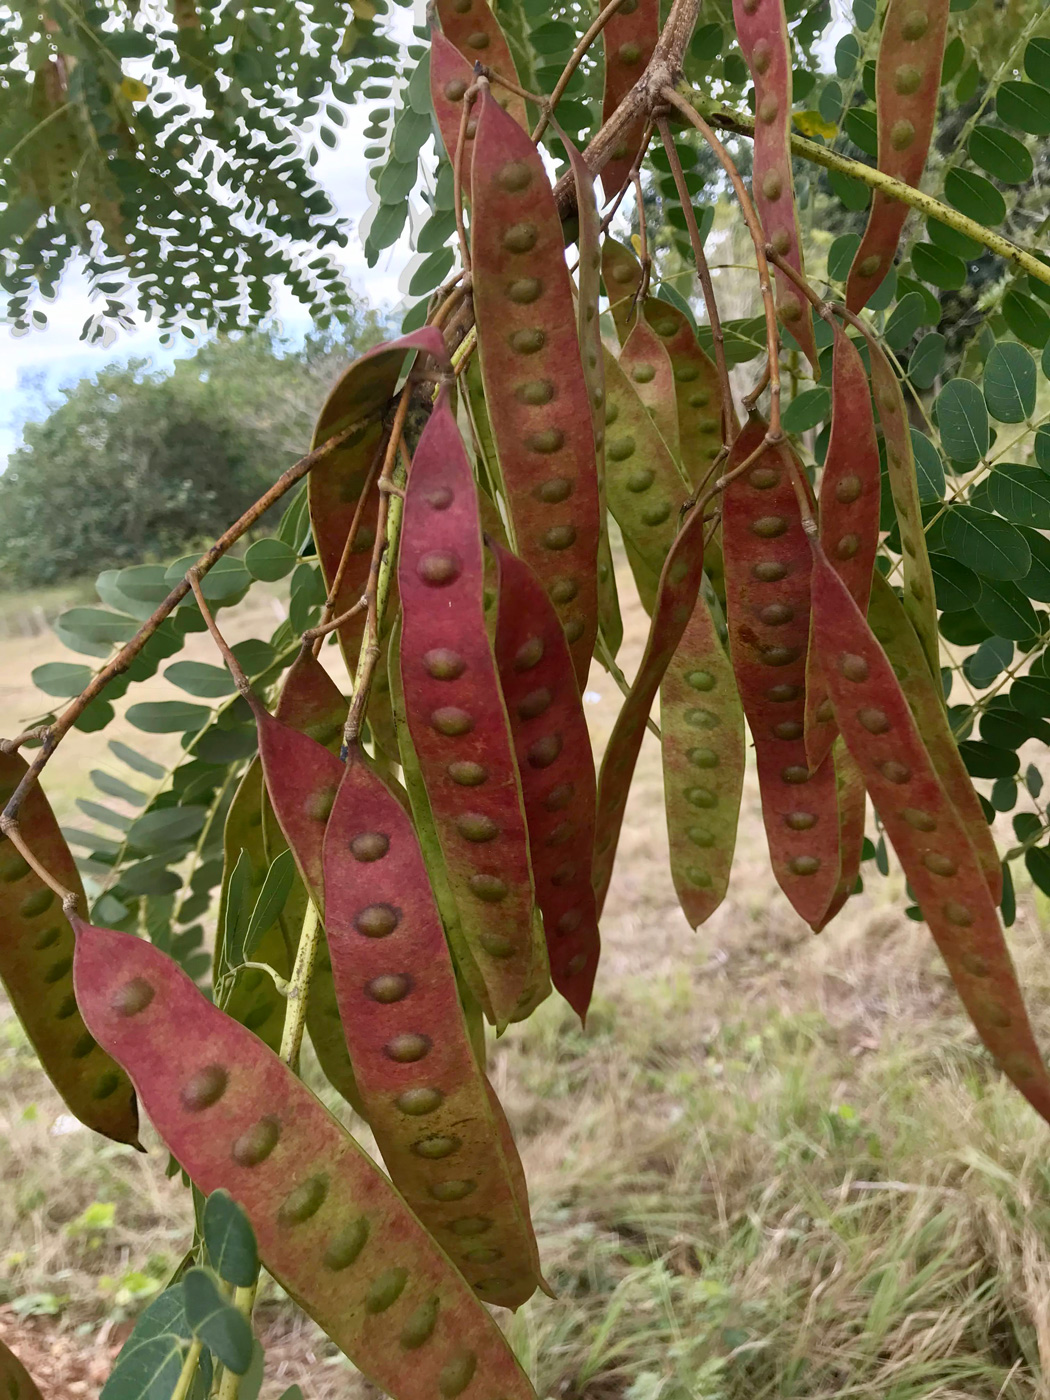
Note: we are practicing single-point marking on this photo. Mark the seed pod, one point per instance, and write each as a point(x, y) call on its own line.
point(849, 513)
point(330, 1227)
point(457, 720)
point(36, 959)
point(926, 831)
point(919, 598)
point(629, 38)
point(336, 482)
point(767, 590)
point(645, 489)
point(702, 746)
point(557, 773)
point(676, 598)
point(907, 80)
point(889, 622)
point(622, 275)
point(698, 394)
point(475, 31)
point(852, 803)
point(761, 28)
point(15, 1380)
point(646, 363)
point(450, 76)
point(415, 1067)
point(534, 382)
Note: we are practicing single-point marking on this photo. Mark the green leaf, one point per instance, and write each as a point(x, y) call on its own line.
point(938, 267)
point(1009, 383)
point(198, 678)
point(272, 898)
point(926, 360)
point(986, 761)
point(1036, 582)
point(1031, 695)
point(165, 827)
point(61, 678)
point(962, 420)
point(238, 898)
point(292, 1393)
point(990, 546)
point(1020, 493)
point(1037, 61)
point(230, 1240)
point(1001, 154)
point(840, 255)
point(956, 586)
point(138, 761)
point(1037, 863)
point(806, 410)
point(270, 559)
point(431, 272)
point(1042, 447)
point(853, 194)
point(1024, 106)
point(218, 1325)
point(150, 877)
point(99, 626)
point(94, 716)
point(861, 130)
point(975, 197)
point(167, 716)
point(904, 320)
point(929, 469)
point(226, 579)
point(98, 813)
point(1026, 318)
point(1006, 610)
point(113, 787)
point(150, 1360)
point(385, 228)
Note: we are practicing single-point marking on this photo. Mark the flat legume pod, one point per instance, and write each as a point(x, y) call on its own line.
point(472, 27)
point(676, 598)
point(852, 803)
point(330, 1227)
point(702, 747)
point(458, 723)
point(767, 569)
point(907, 80)
point(698, 394)
point(938, 858)
point(646, 363)
point(629, 38)
point(450, 76)
point(36, 962)
point(558, 785)
point(534, 383)
point(761, 27)
point(336, 484)
point(425, 1097)
point(622, 275)
point(889, 622)
point(15, 1381)
point(850, 488)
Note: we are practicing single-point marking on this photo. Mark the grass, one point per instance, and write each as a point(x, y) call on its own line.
point(773, 1166)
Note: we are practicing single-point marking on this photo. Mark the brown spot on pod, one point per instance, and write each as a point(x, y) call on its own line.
point(319, 804)
point(452, 1190)
point(701, 680)
point(629, 53)
point(477, 826)
point(825, 712)
point(772, 185)
point(656, 514)
point(547, 441)
point(703, 798)
point(778, 655)
point(344, 1248)
point(874, 720)
point(305, 1201)
point(451, 721)
point(902, 134)
point(455, 89)
point(496, 945)
point(439, 567)
point(804, 865)
point(919, 820)
point(534, 703)
point(407, 1048)
point(58, 970)
point(783, 694)
point(528, 341)
point(564, 874)
point(576, 965)
point(776, 614)
point(377, 920)
point(894, 771)
point(515, 176)
point(554, 490)
point(800, 821)
point(867, 267)
point(915, 24)
point(769, 527)
point(386, 1289)
point(788, 729)
point(958, 914)
point(763, 478)
point(478, 40)
point(444, 664)
point(467, 773)
point(388, 987)
point(848, 489)
point(703, 758)
point(489, 888)
point(768, 109)
point(781, 241)
point(66, 1007)
point(939, 864)
point(369, 846)
point(907, 79)
point(14, 868)
point(204, 1088)
point(457, 1374)
point(643, 373)
point(134, 996)
point(420, 1325)
point(83, 1046)
point(436, 1147)
point(619, 449)
point(853, 667)
point(36, 903)
point(535, 392)
point(564, 590)
point(795, 773)
point(570, 921)
point(107, 1084)
point(418, 1101)
point(761, 56)
point(469, 1226)
point(769, 571)
point(529, 654)
point(520, 238)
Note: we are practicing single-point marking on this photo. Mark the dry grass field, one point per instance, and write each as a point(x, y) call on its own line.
point(774, 1165)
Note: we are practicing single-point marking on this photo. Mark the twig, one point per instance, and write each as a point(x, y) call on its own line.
point(189, 1370)
point(457, 175)
point(643, 240)
point(603, 18)
point(9, 827)
point(348, 547)
point(234, 667)
point(315, 634)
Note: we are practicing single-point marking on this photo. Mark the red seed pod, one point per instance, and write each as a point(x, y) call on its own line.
point(852, 802)
point(676, 598)
point(450, 76)
point(702, 746)
point(889, 622)
point(557, 773)
point(698, 394)
point(36, 962)
point(629, 38)
point(337, 482)
point(475, 31)
point(907, 81)
point(761, 28)
point(622, 275)
point(330, 1227)
point(850, 490)
point(534, 382)
point(458, 723)
point(767, 591)
point(646, 363)
point(15, 1380)
point(926, 831)
point(415, 1067)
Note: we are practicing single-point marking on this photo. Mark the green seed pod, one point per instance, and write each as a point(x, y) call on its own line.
point(475, 31)
point(36, 960)
point(888, 620)
point(938, 857)
point(534, 382)
point(622, 275)
point(761, 28)
point(852, 803)
point(15, 1380)
point(629, 38)
point(702, 747)
point(907, 81)
point(698, 394)
point(646, 363)
point(850, 489)
point(330, 1227)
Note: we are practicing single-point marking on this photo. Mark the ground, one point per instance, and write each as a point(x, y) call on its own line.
point(773, 1165)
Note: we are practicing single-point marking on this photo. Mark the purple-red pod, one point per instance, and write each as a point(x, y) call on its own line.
point(761, 28)
point(36, 963)
point(475, 31)
point(926, 831)
point(850, 491)
point(558, 783)
point(450, 76)
point(336, 483)
point(15, 1380)
point(646, 363)
point(925, 697)
point(675, 600)
point(767, 565)
point(907, 81)
point(629, 38)
point(534, 382)
point(458, 724)
point(302, 778)
point(410, 1048)
point(698, 394)
point(330, 1227)
point(853, 804)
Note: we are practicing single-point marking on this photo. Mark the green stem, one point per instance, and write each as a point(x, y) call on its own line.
point(299, 986)
point(188, 1372)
